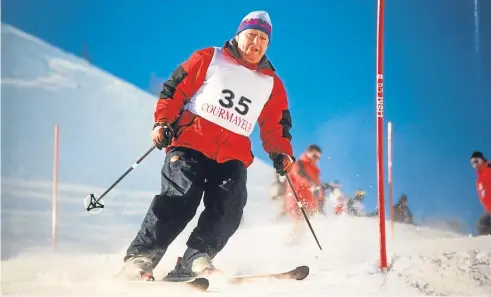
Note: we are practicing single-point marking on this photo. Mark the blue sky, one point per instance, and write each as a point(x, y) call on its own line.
point(437, 74)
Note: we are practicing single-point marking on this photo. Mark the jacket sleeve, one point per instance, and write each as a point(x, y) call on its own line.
point(180, 87)
point(275, 122)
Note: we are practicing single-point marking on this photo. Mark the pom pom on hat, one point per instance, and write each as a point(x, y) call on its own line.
point(259, 20)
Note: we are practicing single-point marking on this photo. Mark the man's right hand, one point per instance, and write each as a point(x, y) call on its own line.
point(283, 163)
point(162, 135)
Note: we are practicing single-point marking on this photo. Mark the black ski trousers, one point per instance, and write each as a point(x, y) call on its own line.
point(186, 175)
point(484, 224)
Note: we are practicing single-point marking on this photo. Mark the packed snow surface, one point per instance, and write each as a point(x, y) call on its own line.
point(104, 124)
point(423, 262)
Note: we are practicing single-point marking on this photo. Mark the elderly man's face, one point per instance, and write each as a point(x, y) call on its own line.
point(252, 45)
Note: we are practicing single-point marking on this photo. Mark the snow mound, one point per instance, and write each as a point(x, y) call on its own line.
point(104, 124)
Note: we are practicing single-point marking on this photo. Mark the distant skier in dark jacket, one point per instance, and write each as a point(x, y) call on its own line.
point(402, 214)
point(355, 206)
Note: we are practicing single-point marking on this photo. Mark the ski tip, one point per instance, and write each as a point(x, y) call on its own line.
point(301, 272)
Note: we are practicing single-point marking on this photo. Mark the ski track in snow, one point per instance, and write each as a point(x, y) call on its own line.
point(424, 261)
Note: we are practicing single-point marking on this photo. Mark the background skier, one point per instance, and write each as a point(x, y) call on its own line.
point(402, 214)
point(305, 177)
point(204, 117)
point(327, 205)
point(338, 199)
point(483, 168)
point(356, 207)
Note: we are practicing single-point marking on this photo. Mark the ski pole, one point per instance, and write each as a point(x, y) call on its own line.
point(94, 203)
point(303, 211)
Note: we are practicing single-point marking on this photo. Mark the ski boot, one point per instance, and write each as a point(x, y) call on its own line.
point(191, 265)
point(138, 268)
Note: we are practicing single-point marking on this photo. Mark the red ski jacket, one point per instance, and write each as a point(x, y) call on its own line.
point(305, 176)
point(214, 141)
point(484, 185)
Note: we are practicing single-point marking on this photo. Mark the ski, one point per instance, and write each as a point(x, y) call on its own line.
point(201, 284)
point(299, 273)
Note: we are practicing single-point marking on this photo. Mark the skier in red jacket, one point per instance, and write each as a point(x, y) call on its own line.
point(305, 177)
point(204, 117)
point(483, 168)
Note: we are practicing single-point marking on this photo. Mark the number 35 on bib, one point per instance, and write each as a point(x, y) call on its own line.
point(232, 96)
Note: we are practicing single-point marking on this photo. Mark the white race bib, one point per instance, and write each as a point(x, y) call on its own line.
point(232, 96)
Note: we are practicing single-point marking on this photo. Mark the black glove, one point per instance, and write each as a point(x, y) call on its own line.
point(162, 135)
point(283, 163)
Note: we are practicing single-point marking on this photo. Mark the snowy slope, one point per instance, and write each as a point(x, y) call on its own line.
point(104, 127)
point(424, 263)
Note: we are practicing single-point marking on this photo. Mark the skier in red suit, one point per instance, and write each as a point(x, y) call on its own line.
point(483, 184)
point(305, 177)
point(206, 112)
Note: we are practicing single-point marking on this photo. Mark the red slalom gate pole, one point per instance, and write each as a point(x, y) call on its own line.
point(380, 132)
